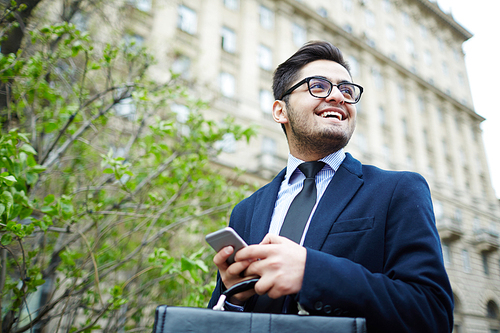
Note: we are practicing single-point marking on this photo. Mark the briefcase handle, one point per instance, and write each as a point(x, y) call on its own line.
point(244, 286)
point(235, 289)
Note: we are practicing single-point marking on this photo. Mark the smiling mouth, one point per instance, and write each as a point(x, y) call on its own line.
point(332, 114)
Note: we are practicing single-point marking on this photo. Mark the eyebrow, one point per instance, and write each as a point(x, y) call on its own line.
point(338, 82)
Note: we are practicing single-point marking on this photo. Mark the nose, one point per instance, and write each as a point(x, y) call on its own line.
point(335, 96)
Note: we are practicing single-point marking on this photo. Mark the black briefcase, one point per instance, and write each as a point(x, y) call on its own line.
point(172, 319)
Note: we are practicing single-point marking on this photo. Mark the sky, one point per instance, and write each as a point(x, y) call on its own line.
point(481, 18)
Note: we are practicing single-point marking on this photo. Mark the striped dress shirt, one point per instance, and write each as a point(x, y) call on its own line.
point(293, 183)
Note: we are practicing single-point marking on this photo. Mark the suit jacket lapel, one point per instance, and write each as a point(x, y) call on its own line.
point(263, 209)
point(343, 186)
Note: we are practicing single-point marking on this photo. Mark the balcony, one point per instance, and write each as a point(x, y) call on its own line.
point(486, 240)
point(449, 230)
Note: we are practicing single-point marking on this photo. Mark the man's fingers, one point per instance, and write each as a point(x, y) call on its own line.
point(272, 239)
point(263, 286)
point(238, 267)
point(254, 252)
point(221, 257)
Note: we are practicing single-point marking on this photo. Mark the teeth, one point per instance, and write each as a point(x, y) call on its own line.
point(331, 114)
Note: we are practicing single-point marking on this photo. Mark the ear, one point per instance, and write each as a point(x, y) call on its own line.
point(279, 112)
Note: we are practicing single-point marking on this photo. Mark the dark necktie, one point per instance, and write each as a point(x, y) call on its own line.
point(298, 214)
point(293, 228)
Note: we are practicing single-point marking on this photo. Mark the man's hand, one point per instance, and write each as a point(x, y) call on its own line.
point(278, 261)
point(232, 274)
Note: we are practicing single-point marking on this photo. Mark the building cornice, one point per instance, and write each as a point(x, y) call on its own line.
point(308, 12)
point(448, 19)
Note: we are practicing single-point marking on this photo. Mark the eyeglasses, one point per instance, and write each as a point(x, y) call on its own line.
point(320, 87)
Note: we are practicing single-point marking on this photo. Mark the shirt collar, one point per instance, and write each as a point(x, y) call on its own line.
point(333, 161)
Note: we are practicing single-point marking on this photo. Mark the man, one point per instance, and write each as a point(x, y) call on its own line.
point(370, 247)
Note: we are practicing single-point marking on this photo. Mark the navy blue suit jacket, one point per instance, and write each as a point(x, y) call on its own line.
point(373, 250)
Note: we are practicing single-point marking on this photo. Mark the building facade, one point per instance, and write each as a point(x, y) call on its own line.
point(416, 113)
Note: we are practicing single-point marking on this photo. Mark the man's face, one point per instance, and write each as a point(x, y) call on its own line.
point(318, 126)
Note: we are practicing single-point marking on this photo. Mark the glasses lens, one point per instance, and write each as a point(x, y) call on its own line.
point(351, 92)
point(319, 87)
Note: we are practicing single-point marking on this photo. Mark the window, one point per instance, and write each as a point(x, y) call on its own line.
point(299, 35)
point(466, 261)
point(461, 79)
point(446, 255)
point(347, 4)
point(390, 32)
point(492, 310)
point(401, 93)
point(227, 144)
point(381, 116)
point(265, 58)
point(322, 11)
point(80, 21)
point(228, 40)
point(410, 47)
point(266, 17)
point(369, 18)
point(269, 146)
point(182, 112)
point(409, 162)
point(423, 31)
point(144, 5)
point(428, 57)
point(232, 4)
point(386, 4)
point(440, 113)
point(404, 125)
point(227, 84)
point(485, 263)
point(181, 66)
point(187, 20)
point(387, 153)
point(438, 209)
point(406, 18)
point(361, 143)
point(440, 44)
point(426, 137)
point(446, 71)
point(266, 100)
point(126, 108)
point(353, 62)
point(458, 216)
point(377, 78)
point(421, 104)
point(476, 223)
point(347, 27)
point(133, 42)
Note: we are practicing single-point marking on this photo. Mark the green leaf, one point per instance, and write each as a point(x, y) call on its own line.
point(8, 200)
point(108, 170)
point(6, 239)
point(9, 180)
point(28, 149)
point(50, 127)
point(49, 199)
point(38, 168)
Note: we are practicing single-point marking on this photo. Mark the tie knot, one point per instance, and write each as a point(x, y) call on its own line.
point(310, 169)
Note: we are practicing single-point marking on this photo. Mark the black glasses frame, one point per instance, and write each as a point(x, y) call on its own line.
point(308, 79)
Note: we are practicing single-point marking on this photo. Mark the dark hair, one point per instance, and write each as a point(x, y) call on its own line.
point(287, 72)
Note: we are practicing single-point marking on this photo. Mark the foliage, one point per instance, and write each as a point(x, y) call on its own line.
point(105, 191)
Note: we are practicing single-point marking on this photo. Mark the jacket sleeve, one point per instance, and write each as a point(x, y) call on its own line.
point(411, 293)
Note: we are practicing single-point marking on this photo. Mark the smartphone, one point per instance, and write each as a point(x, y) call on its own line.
point(226, 237)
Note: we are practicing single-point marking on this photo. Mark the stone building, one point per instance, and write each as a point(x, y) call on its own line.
point(416, 112)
